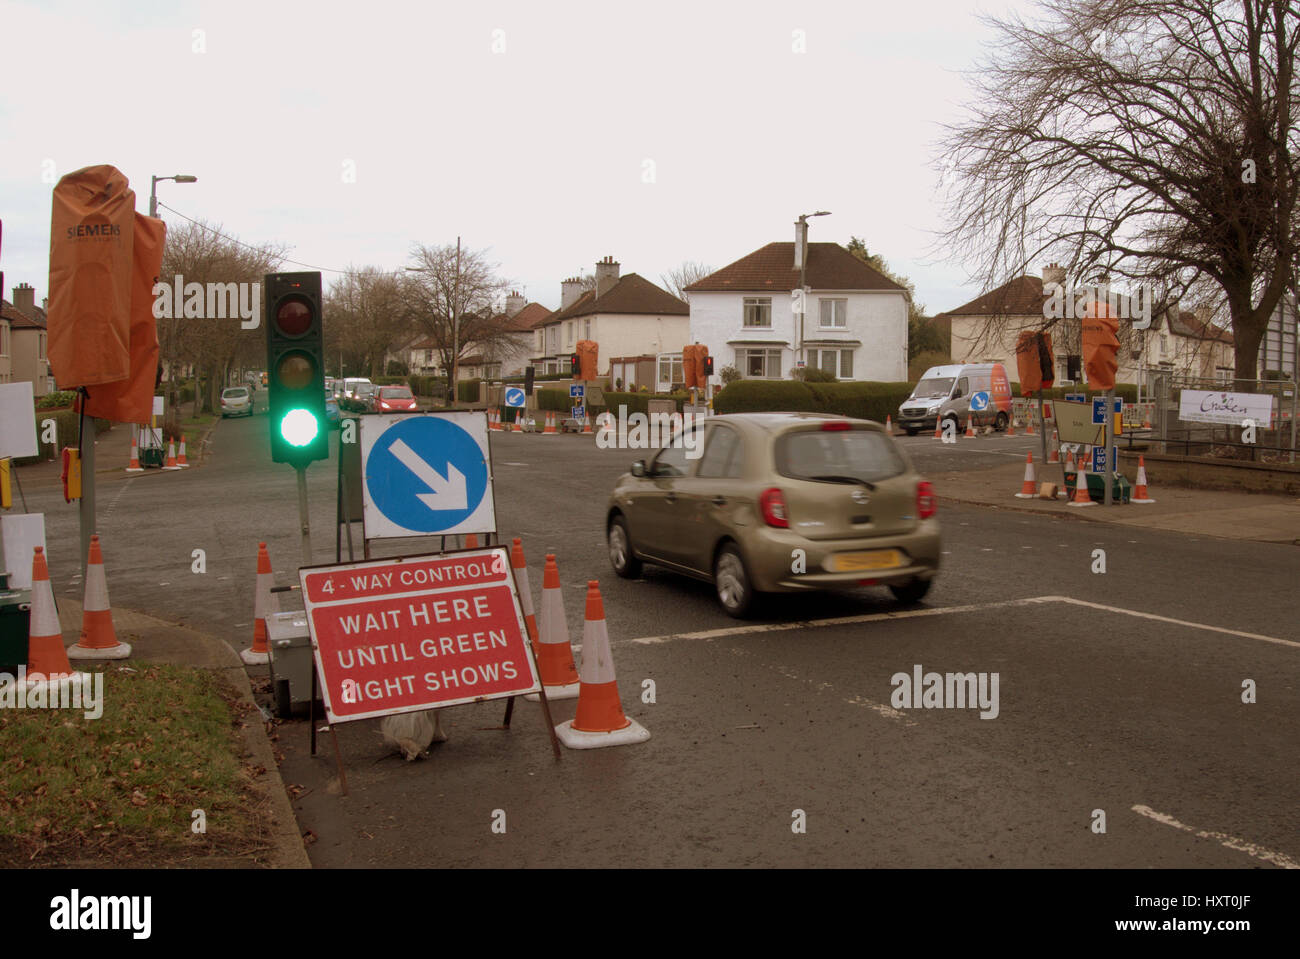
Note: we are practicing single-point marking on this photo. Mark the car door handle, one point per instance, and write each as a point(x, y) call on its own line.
point(719, 501)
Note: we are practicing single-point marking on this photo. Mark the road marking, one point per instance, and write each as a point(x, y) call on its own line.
point(944, 611)
point(1178, 622)
point(838, 621)
point(1240, 845)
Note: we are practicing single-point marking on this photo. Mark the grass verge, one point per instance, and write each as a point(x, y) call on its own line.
point(122, 789)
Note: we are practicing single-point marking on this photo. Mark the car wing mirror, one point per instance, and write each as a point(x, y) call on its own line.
point(638, 468)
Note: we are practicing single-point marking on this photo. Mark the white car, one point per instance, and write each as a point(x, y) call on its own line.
point(236, 401)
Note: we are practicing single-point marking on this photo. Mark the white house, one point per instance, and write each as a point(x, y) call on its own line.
point(854, 321)
point(628, 317)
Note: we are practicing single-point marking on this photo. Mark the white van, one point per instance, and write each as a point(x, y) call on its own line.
point(980, 391)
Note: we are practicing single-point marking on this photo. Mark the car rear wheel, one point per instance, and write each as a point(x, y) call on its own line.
point(911, 592)
point(730, 578)
point(621, 558)
point(1001, 423)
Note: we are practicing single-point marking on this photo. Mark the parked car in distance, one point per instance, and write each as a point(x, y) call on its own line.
point(332, 414)
point(945, 393)
point(394, 399)
point(778, 502)
point(349, 388)
point(236, 401)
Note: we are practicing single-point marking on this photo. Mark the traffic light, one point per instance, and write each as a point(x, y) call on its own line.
point(575, 366)
point(295, 368)
point(708, 366)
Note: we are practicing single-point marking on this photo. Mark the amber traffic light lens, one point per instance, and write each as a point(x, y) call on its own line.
point(295, 371)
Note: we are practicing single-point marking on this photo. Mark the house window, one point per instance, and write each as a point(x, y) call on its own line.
point(764, 364)
point(758, 311)
point(835, 362)
point(670, 370)
point(834, 313)
point(4, 339)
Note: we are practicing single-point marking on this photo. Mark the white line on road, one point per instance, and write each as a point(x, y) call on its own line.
point(1240, 845)
point(944, 611)
point(1177, 622)
point(841, 620)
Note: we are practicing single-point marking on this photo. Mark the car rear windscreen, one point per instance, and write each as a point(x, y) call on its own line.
point(838, 455)
point(235, 394)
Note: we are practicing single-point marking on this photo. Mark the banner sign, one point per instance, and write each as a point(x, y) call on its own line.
point(415, 633)
point(1228, 409)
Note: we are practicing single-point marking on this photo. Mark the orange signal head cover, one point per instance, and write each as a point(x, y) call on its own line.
point(1100, 346)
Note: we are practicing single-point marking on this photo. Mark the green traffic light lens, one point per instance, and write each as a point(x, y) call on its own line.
point(299, 427)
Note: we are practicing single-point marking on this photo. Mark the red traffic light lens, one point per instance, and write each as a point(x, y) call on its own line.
point(293, 317)
point(295, 371)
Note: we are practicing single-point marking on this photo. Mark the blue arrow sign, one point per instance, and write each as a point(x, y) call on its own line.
point(979, 401)
point(577, 390)
point(426, 474)
point(515, 397)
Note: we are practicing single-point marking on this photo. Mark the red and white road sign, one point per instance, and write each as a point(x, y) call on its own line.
point(400, 635)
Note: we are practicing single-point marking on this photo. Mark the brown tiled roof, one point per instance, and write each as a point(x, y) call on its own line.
point(530, 317)
point(631, 294)
point(1187, 324)
point(830, 267)
point(18, 320)
point(1022, 296)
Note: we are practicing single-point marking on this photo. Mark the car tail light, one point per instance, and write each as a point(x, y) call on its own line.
point(772, 504)
point(925, 505)
point(835, 426)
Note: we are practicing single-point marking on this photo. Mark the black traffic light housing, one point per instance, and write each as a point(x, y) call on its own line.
point(708, 366)
point(295, 344)
point(575, 367)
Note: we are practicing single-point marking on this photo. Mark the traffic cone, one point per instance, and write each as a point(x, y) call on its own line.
point(264, 604)
point(519, 421)
point(46, 657)
point(180, 456)
point(1081, 495)
point(1028, 489)
point(550, 426)
point(471, 541)
point(1069, 462)
point(938, 429)
point(171, 456)
point(492, 420)
point(1011, 425)
point(1029, 424)
point(970, 429)
point(889, 424)
point(1140, 493)
point(600, 720)
point(587, 427)
point(554, 653)
point(523, 589)
point(98, 639)
point(1054, 449)
point(134, 465)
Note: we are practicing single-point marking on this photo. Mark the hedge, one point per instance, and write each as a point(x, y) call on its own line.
point(467, 390)
point(427, 385)
point(868, 401)
point(560, 402)
point(1128, 391)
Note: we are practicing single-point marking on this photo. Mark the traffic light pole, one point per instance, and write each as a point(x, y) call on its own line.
point(1109, 471)
point(303, 523)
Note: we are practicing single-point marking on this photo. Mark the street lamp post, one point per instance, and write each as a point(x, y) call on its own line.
point(153, 189)
point(802, 239)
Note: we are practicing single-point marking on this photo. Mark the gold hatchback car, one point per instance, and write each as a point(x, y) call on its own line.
point(778, 502)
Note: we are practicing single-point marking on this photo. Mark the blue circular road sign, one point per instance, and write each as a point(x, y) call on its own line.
point(514, 397)
point(426, 474)
point(979, 401)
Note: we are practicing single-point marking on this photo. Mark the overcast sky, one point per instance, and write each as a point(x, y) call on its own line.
point(538, 151)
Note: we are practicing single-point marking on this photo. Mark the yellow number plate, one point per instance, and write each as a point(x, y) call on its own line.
point(875, 559)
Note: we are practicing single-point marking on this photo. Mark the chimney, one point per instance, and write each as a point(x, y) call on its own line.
point(570, 290)
point(606, 275)
point(800, 242)
point(25, 299)
point(1054, 273)
point(514, 303)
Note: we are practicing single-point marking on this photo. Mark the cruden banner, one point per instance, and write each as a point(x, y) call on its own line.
point(91, 252)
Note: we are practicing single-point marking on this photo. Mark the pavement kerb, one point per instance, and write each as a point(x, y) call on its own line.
point(183, 646)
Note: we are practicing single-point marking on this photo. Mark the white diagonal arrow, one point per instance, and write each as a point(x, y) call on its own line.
point(448, 493)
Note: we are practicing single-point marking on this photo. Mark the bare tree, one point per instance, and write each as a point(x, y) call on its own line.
point(676, 280)
point(1151, 142)
point(453, 295)
point(202, 253)
point(368, 314)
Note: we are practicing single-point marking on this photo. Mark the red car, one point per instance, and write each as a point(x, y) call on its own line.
point(394, 399)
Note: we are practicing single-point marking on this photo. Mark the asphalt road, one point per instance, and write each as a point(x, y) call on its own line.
point(1118, 692)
